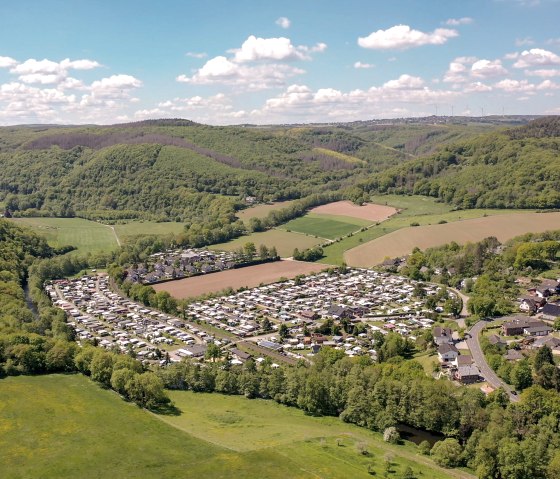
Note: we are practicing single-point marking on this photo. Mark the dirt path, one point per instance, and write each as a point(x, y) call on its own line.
point(115, 233)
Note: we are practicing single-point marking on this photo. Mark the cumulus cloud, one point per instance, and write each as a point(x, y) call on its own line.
point(455, 22)
point(487, 68)
point(7, 62)
point(536, 57)
point(259, 63)
point(46, 71)
point(403, 37)
point(467, 69)
point(277, 49)
point(360, 65)
point(283, 22)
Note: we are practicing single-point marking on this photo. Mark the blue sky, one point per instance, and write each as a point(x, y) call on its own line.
point(230, 62)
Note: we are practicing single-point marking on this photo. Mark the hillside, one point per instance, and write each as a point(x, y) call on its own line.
point(182, 171)
point(515, 168)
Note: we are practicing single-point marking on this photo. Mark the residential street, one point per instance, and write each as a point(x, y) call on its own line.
point(478, 357)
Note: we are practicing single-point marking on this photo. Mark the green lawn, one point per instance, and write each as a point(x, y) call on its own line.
point(65, 426)
point(136, 228)
point(87, 236)
point(324, 226)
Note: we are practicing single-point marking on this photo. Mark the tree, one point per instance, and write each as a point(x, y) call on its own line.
point(283, 331)
point(146, 390)
point(120, 378)
point(61, 357)
point(266, 324)
point(391, 435)
point(553, 469)
point(543, 356)
point(521, 375)
point(213, 352)
point(249, 250)
point(447, 453)
point(102, 367)
point(424, 447)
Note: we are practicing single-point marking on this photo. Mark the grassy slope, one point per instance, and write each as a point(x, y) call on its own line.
point(87, 236)
point(66, 427)
point(261, 211)
point(284, 241)
point(147, 228)
point(415, 209)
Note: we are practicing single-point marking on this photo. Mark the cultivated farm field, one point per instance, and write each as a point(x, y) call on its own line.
point(284, 241)
point(249, 276)
point(87, 236)
point(89, 432)
point(369, 212)
point(403, 241)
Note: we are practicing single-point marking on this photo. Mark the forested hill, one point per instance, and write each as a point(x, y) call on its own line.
point(513, 168)
point(183, 171)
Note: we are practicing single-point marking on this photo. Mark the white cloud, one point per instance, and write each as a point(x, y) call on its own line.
point(403, 37)
point(544, 73)
point(276, 49)
point(536, 57)
point(198, 55)
point(283, 22)
point(360, 65)
point(487, 68)
point(116, 82)
point(7, 62)
point(521, 42)
point(515, 86)
point(477, 87)
point(404, 82)
point(455, 22)
point(259, 64)
point(46, 71)
point(220, 70)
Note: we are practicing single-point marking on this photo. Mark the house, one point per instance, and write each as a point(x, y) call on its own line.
point(339, 312)
point(552, 342)
point(447, 353)
point(462, 360)
point(541, 330)
point(495, 340)
point(468, 374)
point(551, 312)
point(517, 324)
point(513, 355)
point(312, 315)
point(528, 305)
point(442, 335)
point(196, 351)
point(240, 355)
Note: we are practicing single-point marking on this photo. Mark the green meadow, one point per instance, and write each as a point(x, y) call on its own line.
point(65, 426)
point(325, 226)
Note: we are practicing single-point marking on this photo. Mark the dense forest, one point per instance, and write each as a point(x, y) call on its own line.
point(176, 170)
point(515, 168)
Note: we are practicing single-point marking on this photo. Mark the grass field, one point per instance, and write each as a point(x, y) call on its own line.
point(250, 277)
point(325, 226)
point(87, 236)
point(402, 242)
point(260, 211)
point(87, 432)
point(413, 209)
point(147, 228)
point(284, 241)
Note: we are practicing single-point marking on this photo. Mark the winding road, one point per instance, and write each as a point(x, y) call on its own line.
point(473, 342)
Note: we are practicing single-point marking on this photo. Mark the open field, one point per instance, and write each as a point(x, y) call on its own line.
point(88, 432)
point(370, 212)
point(250, 277)
point(147, 228)
point(87, 236)
point(413, 209)
point(284, 241)
point(260, 211)
point(402, 242)
point(324, 226)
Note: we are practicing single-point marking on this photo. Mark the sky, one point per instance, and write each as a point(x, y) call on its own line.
point(261, 62)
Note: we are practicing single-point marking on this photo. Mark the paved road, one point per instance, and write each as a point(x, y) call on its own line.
point(464, 311)
point(473, 341)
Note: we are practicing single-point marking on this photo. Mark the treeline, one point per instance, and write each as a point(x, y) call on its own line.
point(497, 439)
